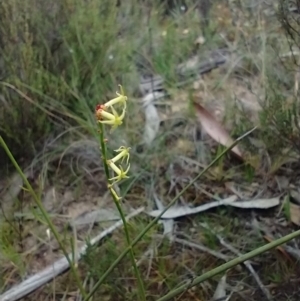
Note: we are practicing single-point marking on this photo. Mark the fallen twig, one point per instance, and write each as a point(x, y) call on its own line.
point(246, 263)
point(186, 71)
point(58, 267)
point(201, 248)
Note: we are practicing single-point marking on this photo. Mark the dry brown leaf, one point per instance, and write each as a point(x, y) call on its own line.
point(220, 293)
point(96, 216)
point(11, 193)
point(151, 125)
point(295, 213)
point(257, 203)
point(49, 199)
point(214, 129)
point(179, 211)
point(295, 196)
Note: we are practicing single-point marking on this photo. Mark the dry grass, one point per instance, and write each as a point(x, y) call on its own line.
point(58, 61)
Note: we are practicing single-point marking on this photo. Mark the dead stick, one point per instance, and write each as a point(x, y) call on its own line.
point(58, 267)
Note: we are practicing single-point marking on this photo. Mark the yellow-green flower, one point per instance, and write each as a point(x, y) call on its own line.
point(123, 153)
point(121, 99)
point(113, 119)
point(121, 174)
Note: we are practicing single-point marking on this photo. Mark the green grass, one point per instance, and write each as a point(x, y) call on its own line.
point(71, 55)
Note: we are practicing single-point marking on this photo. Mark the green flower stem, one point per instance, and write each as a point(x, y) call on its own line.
point(131, 252)
point(45, 215)
point(119, 207)
point(230, 264)
point(103, 151)
point(154, 221)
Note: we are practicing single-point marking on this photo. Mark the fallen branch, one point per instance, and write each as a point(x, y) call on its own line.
point(186, 71)
point(58, 267)
point(202, 248)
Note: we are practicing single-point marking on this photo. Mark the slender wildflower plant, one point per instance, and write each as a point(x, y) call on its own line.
point(107, 114)
point(47, 218)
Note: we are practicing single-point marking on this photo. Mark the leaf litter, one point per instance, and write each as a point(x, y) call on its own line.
point(220, 292)
point(216, 130)
point(246, 263)
point(152, 119)
point(179, 211)
point(96, 216)
point(10, 192)
point(59, 266)
point(168, 224)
